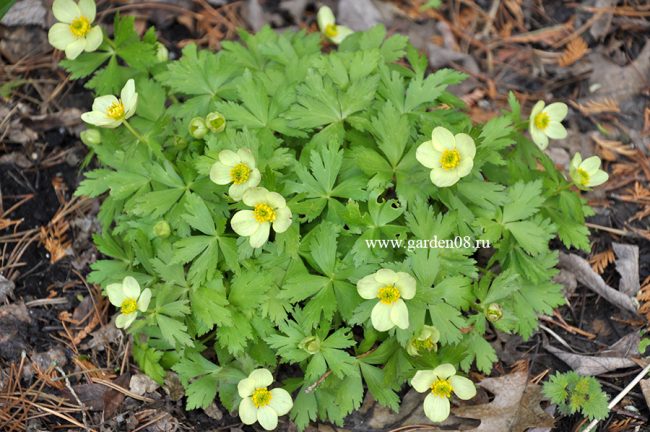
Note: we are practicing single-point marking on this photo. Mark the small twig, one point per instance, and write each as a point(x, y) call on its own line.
point(621, 395)
point(69, 387)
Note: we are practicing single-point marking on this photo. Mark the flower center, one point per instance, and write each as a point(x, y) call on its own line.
point(388, 294)
point(441, 388)
point(240, 173)
point(80, 26)
point(264, 213)
point(129, 305)
point(423, 344)
point(583, 177)
point(116, 110)
point(331, 30)
point(542, 120)
point(261, 397)
point(450, 159)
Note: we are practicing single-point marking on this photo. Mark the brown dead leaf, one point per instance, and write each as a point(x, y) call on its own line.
point(515, 408)
point(627, 265)
point(591, 365)
point(574, 51)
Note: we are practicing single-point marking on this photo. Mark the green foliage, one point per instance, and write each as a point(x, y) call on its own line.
point(574, 393)
point(336, 135)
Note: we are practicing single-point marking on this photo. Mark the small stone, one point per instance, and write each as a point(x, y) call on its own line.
point(213, 411)
point(173, 386)
point(141, 384)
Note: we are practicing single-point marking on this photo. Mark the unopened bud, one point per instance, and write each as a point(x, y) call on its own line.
point(91, 137)
point(215, 121)
point(198, 128)
point(310, 344)
point(162, 54)
point(162, 229)
point(494, 312)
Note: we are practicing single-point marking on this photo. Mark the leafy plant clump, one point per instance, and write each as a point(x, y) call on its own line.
point(242, 191)
point(574, 393)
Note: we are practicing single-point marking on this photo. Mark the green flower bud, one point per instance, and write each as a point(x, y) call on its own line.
point(426, 340)
point(215, 121)
point(310, 344)
point(494, 312)
point(180, 143)
point(198, 128)
point(91, 137)
point(162, 54)
point(162, 229)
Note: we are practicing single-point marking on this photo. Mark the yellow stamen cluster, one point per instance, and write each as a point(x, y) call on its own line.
point(240, 173)
point(129, 306)
point(423, 344)
point(583, 177)
point(441, 388)
point(388, 294)
point(80, 26)
point(264, 213)
point(331, 30)
point(450, 159)
point(542, 121)
point(116, 110)
point(261, 397)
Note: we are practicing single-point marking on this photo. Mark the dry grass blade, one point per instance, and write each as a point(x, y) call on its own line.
point(605, 105)
point(574, 51)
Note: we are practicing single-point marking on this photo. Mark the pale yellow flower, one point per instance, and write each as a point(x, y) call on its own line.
point(269, 210)
point(259, 404)
point(74, 33)
point(545, 123)
point(426, 340)
point(441, 382)
point(327, 25)
point(128, 297)
point(587, 173)
point(390, 289)
point(237, 169)
point(449, 156)
point(109, 111)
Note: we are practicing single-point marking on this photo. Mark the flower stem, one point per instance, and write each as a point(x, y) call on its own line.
point(143, 140)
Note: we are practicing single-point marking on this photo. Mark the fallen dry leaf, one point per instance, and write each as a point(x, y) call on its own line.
point(627, 265)
point(515, 408)
point(590, 365)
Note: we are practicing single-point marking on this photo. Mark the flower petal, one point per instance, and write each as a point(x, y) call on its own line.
point(125, 320)
point(386, 276)
point(220, 173)
point(325, 17)
point(399, 314)
point(246, 156)
point(576, 161)
point(94, 39)
point(555, 130)
point(255, 196)
point(73, 50)
point(591, 164)
point(342, 33)
point(88, 9)
point(143, 301)
point(229, 158)
point(247, 411)
point(368, 287)
point(65, 10)
point(131, 287)
point(444, 371)
point(427, 155)
point(599, 178)
point(129, 98)
point(380, 317)
point(281, 401)
point(60, 36)
point(102, 103)
point(442, 139)
point(539, 106)
point(406, 285)
point(276, 200)
point(539, 138)
point(115, 294)
point(260, 236)
point(244, 223)
point(463, 387)
point(436, 408)
point(465, 167)
point(442, 178)
point(99, 119)
point(237, 191)
point(282, 220)
point(557, 111)
point(465, 146)
point(422, 380)
point(246, 387)
point(267, 417)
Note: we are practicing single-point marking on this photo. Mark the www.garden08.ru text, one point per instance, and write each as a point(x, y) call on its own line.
point(457, 242)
